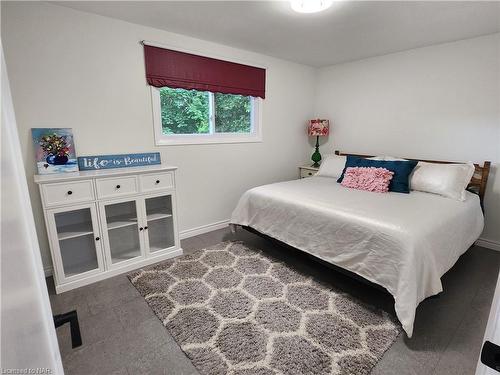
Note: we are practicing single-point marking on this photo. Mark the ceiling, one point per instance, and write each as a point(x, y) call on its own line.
point(349, 30)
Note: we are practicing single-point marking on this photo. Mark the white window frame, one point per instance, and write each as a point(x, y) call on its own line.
point(189, 139)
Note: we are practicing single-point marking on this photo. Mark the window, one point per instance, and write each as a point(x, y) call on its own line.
point(202, 99)
point(191, 116)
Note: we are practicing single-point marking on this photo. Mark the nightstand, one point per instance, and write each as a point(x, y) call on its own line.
point(307, 171)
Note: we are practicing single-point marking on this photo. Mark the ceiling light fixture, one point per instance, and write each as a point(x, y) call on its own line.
point(310, 6)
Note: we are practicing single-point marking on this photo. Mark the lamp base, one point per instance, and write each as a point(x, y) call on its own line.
point(316, 156)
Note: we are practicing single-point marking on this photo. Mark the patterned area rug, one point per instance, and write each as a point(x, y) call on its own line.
point(235, 310)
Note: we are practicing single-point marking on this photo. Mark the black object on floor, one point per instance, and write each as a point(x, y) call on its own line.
point(490, 355)
point(71, 318)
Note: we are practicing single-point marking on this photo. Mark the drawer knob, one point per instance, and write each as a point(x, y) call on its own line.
point(310, 173)
point(97, 238)
point(141, 228)
point(70, 192)
point(146, 227)
point(118, 186)
point(157, 181)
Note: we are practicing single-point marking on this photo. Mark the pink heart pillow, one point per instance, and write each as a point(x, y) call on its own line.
point(368, 178)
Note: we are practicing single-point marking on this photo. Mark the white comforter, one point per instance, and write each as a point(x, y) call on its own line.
point(403, 242)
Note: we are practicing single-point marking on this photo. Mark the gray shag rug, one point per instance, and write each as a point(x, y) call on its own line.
point(235, 310)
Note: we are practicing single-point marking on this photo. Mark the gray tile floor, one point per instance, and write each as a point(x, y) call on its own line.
point(121, 335)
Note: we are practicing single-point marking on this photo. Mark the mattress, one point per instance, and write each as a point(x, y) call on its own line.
point(403, 242)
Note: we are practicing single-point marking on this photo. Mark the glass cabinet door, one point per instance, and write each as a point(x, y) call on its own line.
point(160, 223)
point(122, 231)
point(78, 246)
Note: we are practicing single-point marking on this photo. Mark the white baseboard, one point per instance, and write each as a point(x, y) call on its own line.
point(203, 229)
point(489, 244)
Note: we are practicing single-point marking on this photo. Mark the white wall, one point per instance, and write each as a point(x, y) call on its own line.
point(73, 69)
point(28, 334)
point(438, 102)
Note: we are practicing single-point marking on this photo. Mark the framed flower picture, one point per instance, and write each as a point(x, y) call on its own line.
point(54, 150)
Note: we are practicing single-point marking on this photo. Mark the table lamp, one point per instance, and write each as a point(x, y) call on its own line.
point(318, 128)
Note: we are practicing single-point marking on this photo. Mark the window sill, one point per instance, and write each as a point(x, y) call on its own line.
point(206, 139)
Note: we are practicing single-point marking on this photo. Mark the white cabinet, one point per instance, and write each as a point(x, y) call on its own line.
point(67, 193)
point(159, 212)
point(101, 223)
point(156, 182)
point(116, 186)
point(74, 237)
point(121, 230)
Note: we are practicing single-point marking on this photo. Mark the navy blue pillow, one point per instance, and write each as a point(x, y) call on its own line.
point(401, 168)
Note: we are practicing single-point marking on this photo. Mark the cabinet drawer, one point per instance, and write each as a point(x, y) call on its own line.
point(157, 181)
point(67, 192)
point(307, 172)
point(116, 186)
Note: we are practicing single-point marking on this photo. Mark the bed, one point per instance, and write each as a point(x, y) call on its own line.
point(402, 242)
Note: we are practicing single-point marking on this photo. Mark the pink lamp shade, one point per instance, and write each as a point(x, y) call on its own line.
point(318, 128)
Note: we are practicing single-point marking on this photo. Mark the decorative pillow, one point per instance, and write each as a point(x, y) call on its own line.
point(392, 158)
point(332, 166)
point(368, 178)
point(448, 180)
point(401, 169)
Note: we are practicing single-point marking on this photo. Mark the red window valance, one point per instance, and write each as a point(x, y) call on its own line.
point(168, 68)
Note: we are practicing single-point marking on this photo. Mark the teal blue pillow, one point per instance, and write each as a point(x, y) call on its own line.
point(401, 168)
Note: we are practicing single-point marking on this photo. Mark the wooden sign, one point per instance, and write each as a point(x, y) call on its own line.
point(92, 163)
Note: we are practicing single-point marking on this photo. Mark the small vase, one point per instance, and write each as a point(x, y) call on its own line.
point(60, 159)
point(50, 159)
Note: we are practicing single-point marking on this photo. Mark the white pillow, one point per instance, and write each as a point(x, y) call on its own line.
point(332, 166)
point(448, 180)
point(392, 158)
